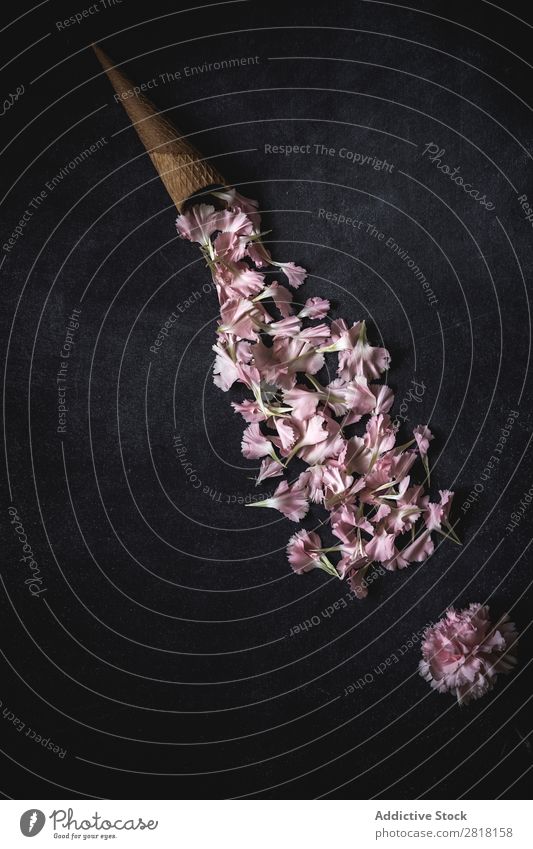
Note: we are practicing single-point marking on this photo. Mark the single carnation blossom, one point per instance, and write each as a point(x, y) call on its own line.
point(315, 308)
point(303, 402)
point(234, 222)
point(237, 203)
point(281, 297)
point(295, 274)
point(463, 653)
point(275, 345)
point(269, 469)
point(198, 224)
point(423, 437)
point(289, 500)
point(234, 279)
point(255, 445)
point(249, 410)
point(380, 547)
point(303, 551)
point(289, 326)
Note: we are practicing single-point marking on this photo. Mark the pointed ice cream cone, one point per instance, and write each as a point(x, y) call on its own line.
point(178, 163)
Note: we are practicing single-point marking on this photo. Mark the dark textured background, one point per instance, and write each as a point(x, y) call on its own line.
point(160, 655)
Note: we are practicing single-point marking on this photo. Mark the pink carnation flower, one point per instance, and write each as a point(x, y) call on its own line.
point(224, 370)
point(259, 255)
point(237, 202)
point(240, 317)
point(302, 401)
point(295, 274)
point(276, 347)
point(281, 297)
point(437, 514)
point(269, 469)
point(315, 308)
point(356, 356)
point(289, 500)
point(249, 410)
point(289, 326)
point(463, 653)
point(234, 222)
point(380, 436)
point(247, 280)
point(230, 247)
point(384, 397)
point(303, 551)
point(198, 224)
point(423, 437)
point(254, 444)
point(380, 547)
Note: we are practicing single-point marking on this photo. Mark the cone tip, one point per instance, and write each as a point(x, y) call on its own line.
point(181, 168)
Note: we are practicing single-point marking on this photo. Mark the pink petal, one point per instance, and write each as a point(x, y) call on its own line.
point(286, 434)
point(303, 551)
point(225, 370)
point(463, 652)
point(420, 549)
point(230, 246)
point(289, 326)
point(380, 547)
point(198, 223)
point(282, 298)
point(303, 401)
point(259, 254)
point(236, 222)
point(239, 316)
point(423, 437)
point(384, 397)
point(249, 410)
point(437, 514)
point(291, 501)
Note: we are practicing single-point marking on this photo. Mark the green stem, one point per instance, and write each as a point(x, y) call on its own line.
point(452, 532)
point(314, 382)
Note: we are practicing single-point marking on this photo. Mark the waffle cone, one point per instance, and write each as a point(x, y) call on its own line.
point(179, 165)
